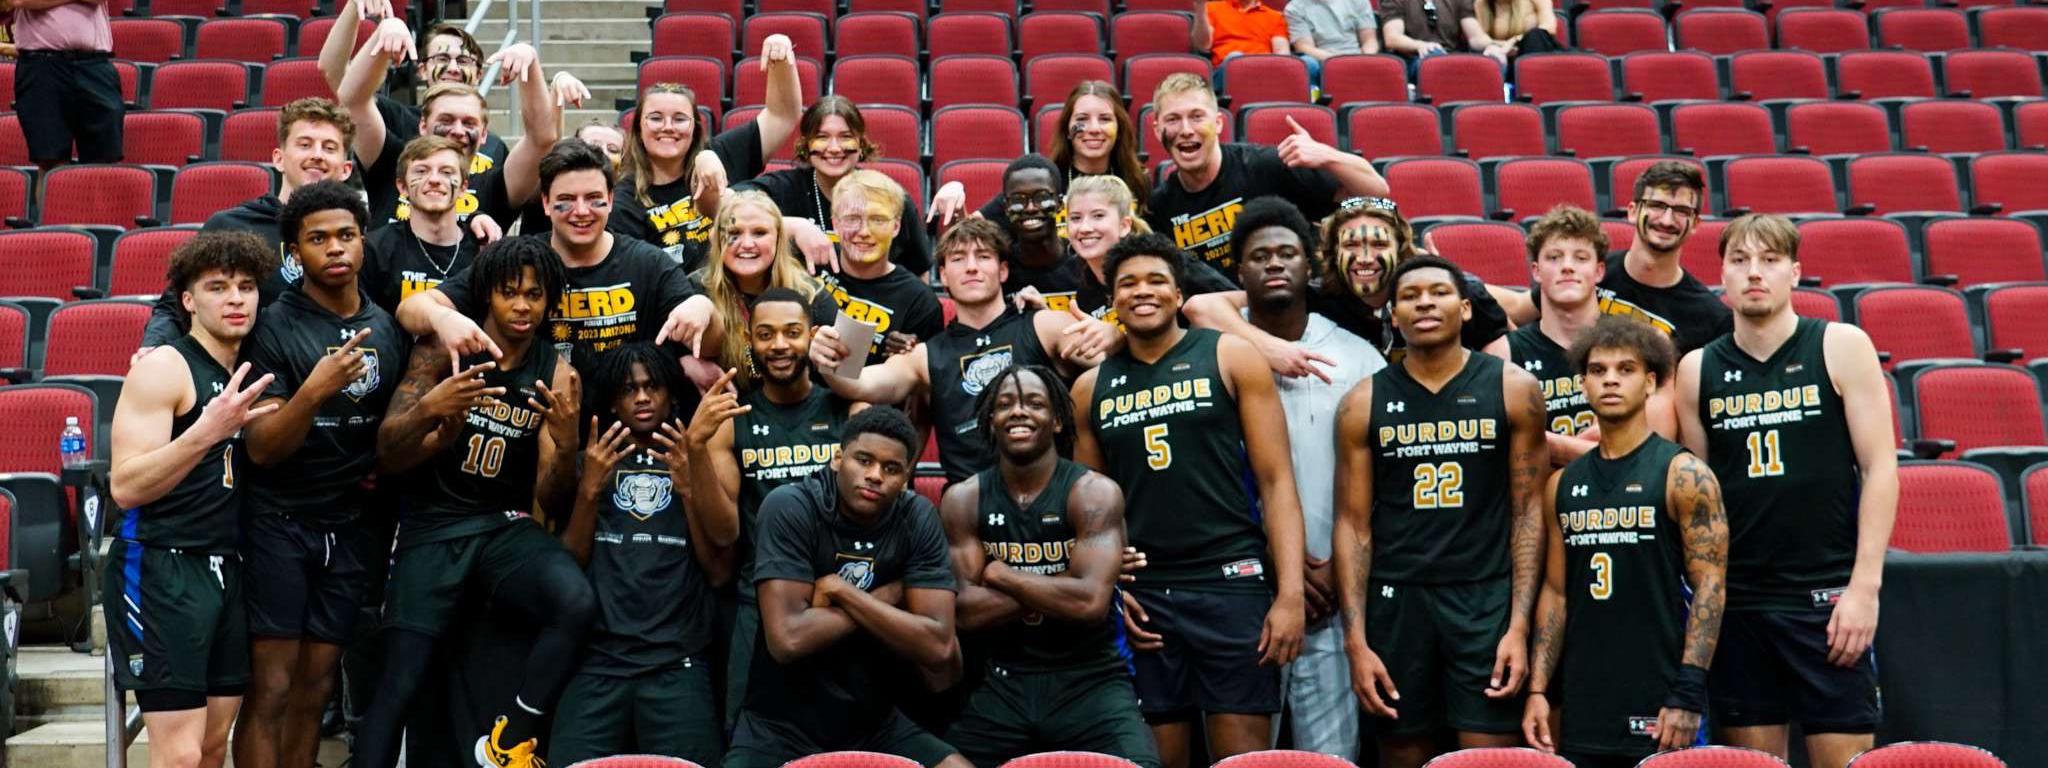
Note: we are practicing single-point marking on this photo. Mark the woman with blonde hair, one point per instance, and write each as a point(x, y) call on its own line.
point(1098, 214)
point(753, 256)
point(832, 141)
point(1512, 27)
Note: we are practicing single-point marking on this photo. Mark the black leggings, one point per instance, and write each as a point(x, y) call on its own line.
point(550, 593)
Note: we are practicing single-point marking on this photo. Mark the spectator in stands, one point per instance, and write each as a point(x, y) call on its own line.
point(422, 251)
point(313, 136)
point(65, 87)
point(1100, 139)
point(1320, 29)
point(867, 215)
point(607, 138)
point(1226, 29)
point(753, 258)
point(1647, 282)
point(1032, 214)
point(675, 168)
point(1418, 29)
point(453, 56)
point(1508, 27)
point(832, 139)
point(1196, 203)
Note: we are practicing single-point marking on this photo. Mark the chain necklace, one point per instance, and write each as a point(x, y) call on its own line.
point(818, 201)
point(457, 256)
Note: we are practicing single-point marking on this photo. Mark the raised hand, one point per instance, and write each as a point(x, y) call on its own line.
point(604, 452)
point(560, 409)
point(337, 369)
point(707, 176)
point(515, 62)
point(457, 394)
point(485, 228)
point(1088, 339)
point(1301, 150)
point(720, 404)
point(947, 204)
point(393, 40)
point(569, 90)
point(229, 411)
point(777, 49)
point(827, 351)
point(815, 245)
point(462, 336)
point(686, 323)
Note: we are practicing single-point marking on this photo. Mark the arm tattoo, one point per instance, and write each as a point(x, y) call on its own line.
point(1526, 472)
point(1697, 497)
point(422, 372)
point(1549, 645)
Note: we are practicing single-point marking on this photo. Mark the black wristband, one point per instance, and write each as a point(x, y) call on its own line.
point(1687, 689)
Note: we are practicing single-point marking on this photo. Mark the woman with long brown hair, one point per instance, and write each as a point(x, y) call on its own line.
point(1097, 138)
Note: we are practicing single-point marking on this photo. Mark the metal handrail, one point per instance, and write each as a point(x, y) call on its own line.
point(476, 21)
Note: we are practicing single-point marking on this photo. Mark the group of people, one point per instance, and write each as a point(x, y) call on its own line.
point(1216, 448)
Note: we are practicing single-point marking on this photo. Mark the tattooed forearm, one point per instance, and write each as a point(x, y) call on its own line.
point(405, 431)
point(1696, 497)
point(1549, 642)
point(1528, 465)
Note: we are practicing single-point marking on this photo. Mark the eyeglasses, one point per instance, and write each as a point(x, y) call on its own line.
point(659, 120)
point(1377, 203)
point(566, 206)
point(854, 220)
point(1659, 207)
point(442, 59)
point(1041, 200)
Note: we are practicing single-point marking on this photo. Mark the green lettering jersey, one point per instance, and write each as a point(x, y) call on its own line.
point(1563, 396)
point(1625, 598)
point(1440, 503)
point(203, 512)
point(776, 445)
point(1040, 540)
point(1778, 440)
point(1171, 438)
point(484, 479)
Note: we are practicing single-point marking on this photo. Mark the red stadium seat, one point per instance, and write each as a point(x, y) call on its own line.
point(1263, 78)
point(1670, 76)
point(204, 9)
point(1363, 77)
point(1097, 7)
point(203, 189)
point(909, 176)
point(1005, 7)
point(1948, 126)
point(1785, 184)
point(298, 9)
point(973, 79)
point(249, 135)
point(1544, 78)
point(982, 178)
point(951, 34)
point(289, 80)
point(1855, 250)
point(2011, 180)
point(1604, 5)
point(1978, 405)
point(976, 132)
point(1823, 30)
point(1915, 322)
point(1885, 74)
point(2024, 28)
point(2030, 125)
point(1714, 757)
point(1050, 32)
point(313, 35)
point(1933, 30)
point(94, 338)
point(1623, 174)
point(2015, 317)
point(15, 187)
point(142, 257)
point(826, 8)
point(1282, 758)
point(1380, 131)
point(695, 34)
point(1436, 186)
point(1981, 251)
point(898, 131)
point(1927, 754)
point(703, 75)
point(1070, 760)
point(1136, 33)
point(806, 33)
point(636, 761)
point(1837, 128)
point(1485, 131)
point(1149, 146)
point(1045, 126)
point(1622, 31)
point(851, 760)
point(1716, 129)
point(1948, 506)
point(1492, 251)
point(1992, 74)
point(130, 75)
point(251, 40)
point(46, 263)
point(733, 8)
point(149, 41)
point(1498, 757)
point(1772, 75)
point(7, 82)
point(44, 507)
point(163, 138)
point(14, 323)
point(750, 84)
point(1818, 304)
point(1721, 31)
point(1620, 234)
point(917, 8)
point(1459, 77)
point(1142, 74)
point(1903, 182)
point(1531, 186)
point(2034, 503)
point(101, 195)
point(1048, 79)
point(222, 85)
point(859, 34)
point(1701, 254)
point(1608, 130)
point(879, 79)
point(1267, 123)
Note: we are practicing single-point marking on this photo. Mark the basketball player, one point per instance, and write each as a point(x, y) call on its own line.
point(488, 441)
point(645, 686)
point(1438, 542)
point(853, 580)
point(1793, 415)
point(1566, 264)
point(1036, 543)
point(1633, 527)
point(1183, 420)
point(178, 634)
point(326, 346)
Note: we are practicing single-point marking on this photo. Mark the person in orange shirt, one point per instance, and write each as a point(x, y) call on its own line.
point(1227, 28)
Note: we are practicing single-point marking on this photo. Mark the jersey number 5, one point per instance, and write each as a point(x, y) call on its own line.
point(1764, 460)
point(1439, 486)
point(486, 457)
point(1158, 455)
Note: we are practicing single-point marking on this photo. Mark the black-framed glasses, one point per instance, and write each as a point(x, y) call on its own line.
point(1659, 207)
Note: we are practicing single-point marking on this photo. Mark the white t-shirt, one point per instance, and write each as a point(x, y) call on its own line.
point(1311, 408)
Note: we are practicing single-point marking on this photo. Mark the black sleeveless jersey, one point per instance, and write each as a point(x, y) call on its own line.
point(1778, 440)
point(1625, 597)
point(776, 445)
point(1171, 437)
point(654, 603)
point(1563, 395)
point(1040, 540)
point(1440, 503)
point(202, 513)
point(485, 478)
point(962, 360)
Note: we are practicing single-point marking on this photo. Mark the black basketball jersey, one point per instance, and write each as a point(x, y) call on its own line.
point(962, 361)
point(485, 478)
point(1040, 540)
point(1778, 440)
point(1625, 597)
point(654, 603)
point(1440, 503)
point(776, 445)
point(202, 513)
point(1171, 437)
point(1563, 396)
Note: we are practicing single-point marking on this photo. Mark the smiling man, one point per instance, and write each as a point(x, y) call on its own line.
point(1032, 214)
point(422, 251)
point(1647, 282)
point(867, 215)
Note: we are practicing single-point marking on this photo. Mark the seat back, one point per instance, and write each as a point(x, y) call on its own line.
point(806, 31)
point(142, 257)
point(2034, 501)
point(202, 189)
point(249, 135)
point(98, 195)
point(45, 262)
point(1948, 506)
point(1712, 129)
point(1048, 32)
point(1048, 79)
point(1713, 757)
point(1855, 250)
point(200, 84)
point(1982, 251)
point(2024, 28)
point(249, 40)
point(1770, 75)
point(1837, 128)
point(14, 324)
point(1933, 30)
point(750, 84)
point(1459, 77)
point(872, 32)
point(1362, 77)
point(1268, 123)
point(1915, 323)
point(14, 193)
point(636, 761)
point(1927, 754)
point(964, 79)
point(1282, 758)
point(1136, 33)
point(1380, 131)
point(1436, 186)
point(147, 41)
point(1786, 184)
point(1656, 76)
point(1265, 77)
point(2016, 317)
point(878, 79)
point(1492, 251)
point(35, 415)
point(94, 338)
point(1992, 74)
point(1952, 126)
point(851, 760)
point(1531, 186)
point(1070, 760)
point(695, 34)
point(1548, 77)
point(1823, 30)
point(1978, 406)
point(1485, 131)
point(1897, 183)
point(1498, 757)
point(1722, 31)
point(1608, 130)
point(953, 34)
point(1885, 74)
point(1142, 74)
point(976, 132)
point(1622, 31)
point(982, 178)
point(162, 138)
point(2010, 180)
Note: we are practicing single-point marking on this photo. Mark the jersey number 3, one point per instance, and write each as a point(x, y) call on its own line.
point(1603, 576)
point(1439, 486)
point(486, 457)
point(1764, 460)
point(1158, 455)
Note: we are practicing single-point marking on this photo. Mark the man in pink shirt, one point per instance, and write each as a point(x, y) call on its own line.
point(1227, 28)
point(65, 89)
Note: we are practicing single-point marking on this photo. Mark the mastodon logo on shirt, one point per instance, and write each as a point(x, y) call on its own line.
point(978, 369)
point(371, 378)
point(643, 494)
point(858, 572)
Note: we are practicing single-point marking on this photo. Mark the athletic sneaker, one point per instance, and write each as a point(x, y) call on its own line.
point(490, 755)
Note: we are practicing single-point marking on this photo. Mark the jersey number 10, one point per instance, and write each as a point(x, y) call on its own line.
point(486, 457)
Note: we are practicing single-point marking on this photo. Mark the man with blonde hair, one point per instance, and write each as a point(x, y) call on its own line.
point(867, 215)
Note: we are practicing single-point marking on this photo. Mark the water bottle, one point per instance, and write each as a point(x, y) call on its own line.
point(72, 443)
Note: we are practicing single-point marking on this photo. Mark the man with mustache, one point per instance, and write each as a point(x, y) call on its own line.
point(1647, 282)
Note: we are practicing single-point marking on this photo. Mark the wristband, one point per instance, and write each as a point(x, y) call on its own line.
point(1687, 689)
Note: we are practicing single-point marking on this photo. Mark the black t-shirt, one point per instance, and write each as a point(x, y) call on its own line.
point(486, 193)
point(319, 483)
point(1056, 282)
point(398, 264)
point(841, 694)
point(896, 302)
point(1688, 311)
point(672, 222)
point(624, 298)
point(1202, 222)
point(795, 191)
point(404, 121)
point(654, 604)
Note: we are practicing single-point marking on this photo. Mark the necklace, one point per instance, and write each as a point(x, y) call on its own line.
point(457, 256)
point(818, 201)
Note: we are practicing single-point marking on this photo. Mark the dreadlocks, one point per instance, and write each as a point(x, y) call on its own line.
point(1061, 403)
point(501, 263)
point(612, 370)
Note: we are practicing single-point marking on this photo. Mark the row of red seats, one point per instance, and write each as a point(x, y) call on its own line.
point(1721, 31)
point(124, 196)
point(1923, 754)
point(214, 84)
point(254, 39)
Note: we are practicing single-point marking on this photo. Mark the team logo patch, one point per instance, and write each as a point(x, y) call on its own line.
point(373, 375)
point(642, 494)
point(860, 572)
point(977, 370)
point(290, 269)
point(135, 665)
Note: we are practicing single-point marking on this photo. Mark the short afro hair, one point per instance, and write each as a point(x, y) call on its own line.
point(320, 196)
point(885, 421)
point(1151, 244)
point(1429, 261)
point(1650, 345)
point(1032, 161)
point(1269, 211)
